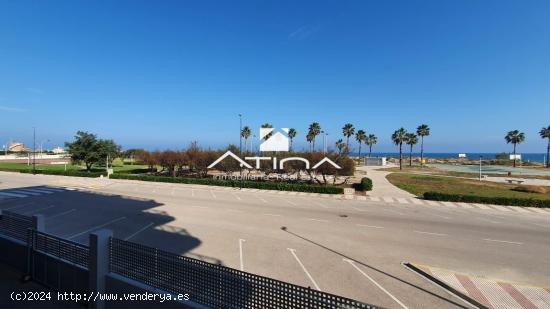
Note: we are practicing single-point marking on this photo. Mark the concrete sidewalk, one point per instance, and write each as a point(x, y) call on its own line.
point(381, 186)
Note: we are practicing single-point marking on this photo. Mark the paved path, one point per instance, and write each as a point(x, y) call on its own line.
point(381, 186)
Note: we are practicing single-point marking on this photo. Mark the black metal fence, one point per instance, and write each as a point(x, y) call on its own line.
point(214, 285)
point(63, 249)
point(15, 225)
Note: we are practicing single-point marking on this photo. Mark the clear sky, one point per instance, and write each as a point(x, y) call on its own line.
point(160, 74)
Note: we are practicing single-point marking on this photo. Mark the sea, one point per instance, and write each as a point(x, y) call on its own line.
point(530, 157)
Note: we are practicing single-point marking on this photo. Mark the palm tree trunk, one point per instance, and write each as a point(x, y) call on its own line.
point(291, 144)
point(422, 150)
point(411, 156)
point(548, 154)
point(370, 149)
point(313, 148)
point(400, 156)
point(514, 154)
point(359, 149)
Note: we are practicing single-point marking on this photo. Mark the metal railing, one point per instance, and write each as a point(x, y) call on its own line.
point(15, 225)
point(63, 249)
point(214, 285)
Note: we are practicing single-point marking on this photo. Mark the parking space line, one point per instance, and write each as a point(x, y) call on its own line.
point(19, 206)
point(371, 226)
point(352, 263)
point(139, 231)
point(212, 193)
point(95, 228)
point(61, 214)
point(236, 196)
point(430, 233)
point(291, 203)
point(172, 192)
point(241, 253)
point(273, 215)
point(39, 209)
point(359, 209)
point(261, 199)
point(318, 220)
point(192, 192)
point(293, 251)
point(503, 241)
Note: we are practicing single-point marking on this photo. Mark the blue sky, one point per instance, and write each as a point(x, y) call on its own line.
point(161, 74)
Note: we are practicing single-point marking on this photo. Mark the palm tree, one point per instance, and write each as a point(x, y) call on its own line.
point(515, 137)
point(371, 140)
point(422, 130)
point(267, 125)
point(361, 136)
point(314, 130)
point(291, 136)
point(340, 145)
point(310, 138)
point(399, 137)
point(348, 130)
point(411, 139)
point(245, 133)
point(545, 133)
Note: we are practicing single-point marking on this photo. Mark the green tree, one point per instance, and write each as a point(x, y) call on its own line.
point(411, 139)
point(399, 137)
point(371, 140)
point(514, 137)
point(245, 133)
point(545, 133)
point(422, 130)
point(90, 150)
point(314, 130)
point(310, 138)
point(291, 136)
point(340, 145)
point(348, 130)
point(361, 137)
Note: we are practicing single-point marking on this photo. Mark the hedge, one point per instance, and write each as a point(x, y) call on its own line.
point(506, 201)
point(281, 186)
point(65, 173)
point(364, 185)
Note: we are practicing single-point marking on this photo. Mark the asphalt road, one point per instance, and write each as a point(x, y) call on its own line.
point(350, 248)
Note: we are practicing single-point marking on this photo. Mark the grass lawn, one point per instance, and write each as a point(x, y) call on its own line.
point(61, 167)
point(418, 184)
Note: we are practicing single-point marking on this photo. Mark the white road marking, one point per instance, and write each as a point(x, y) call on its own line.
point(359, 209)
point(388, 199)
point(273, 215)
point(402, 200)
point(375, 199)
point(192, 192)
point(241, 253)
point(212, 193)
point(352, 263)
point(371, 226)
point(291, 203)
point(19, 206)
point(25, 192)
point(139, 231)
point(321, 204)
point(430, 233)
point(172, 192)
point(96, 227)
point(444, 217)
point(61, 214)
point(12, 194)
point(319, 220)
point(236, 196)
point(293, 251)
point(197, 206)
point(261, 199)
point(394, 211)
point(541, 225)
point(234, 210)
point(39, 209)
point(504, 241)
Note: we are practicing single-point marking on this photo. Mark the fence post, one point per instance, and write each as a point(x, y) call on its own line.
point(38, 223)
point(98, 264)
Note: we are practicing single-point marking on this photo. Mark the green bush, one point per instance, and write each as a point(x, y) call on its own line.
point(281, 186)
point(507, 201)
point(364, 185)
point(65, 173)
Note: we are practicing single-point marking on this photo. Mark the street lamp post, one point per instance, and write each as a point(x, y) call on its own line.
point(240, 133)
point(34, 150)
point(42, 144)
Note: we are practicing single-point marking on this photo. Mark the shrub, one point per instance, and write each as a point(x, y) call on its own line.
point(281, 186)
point(531, 189)
point(506, 201)
point(364, 185)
